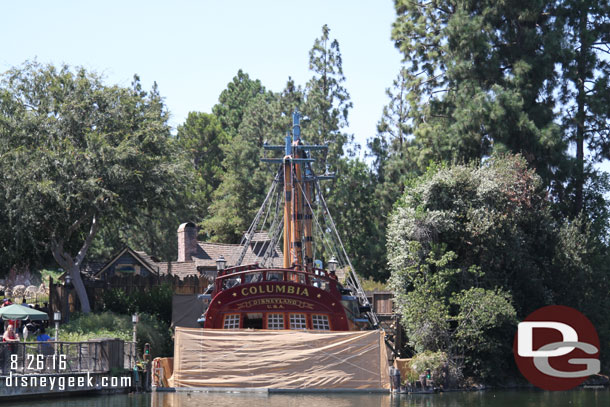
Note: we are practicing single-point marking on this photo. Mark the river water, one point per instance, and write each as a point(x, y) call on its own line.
point(490, 398)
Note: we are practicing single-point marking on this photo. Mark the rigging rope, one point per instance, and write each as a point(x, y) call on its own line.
point(328, 247)
point(245, 242)
point(356, 282)
point(275, 230)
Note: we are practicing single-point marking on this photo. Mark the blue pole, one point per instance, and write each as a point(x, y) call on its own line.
point(288, 146)
point(296, 125)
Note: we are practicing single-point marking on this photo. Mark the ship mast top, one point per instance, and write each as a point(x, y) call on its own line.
point(298, 179)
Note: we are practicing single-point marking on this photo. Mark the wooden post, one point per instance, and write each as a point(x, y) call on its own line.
point(50, 307)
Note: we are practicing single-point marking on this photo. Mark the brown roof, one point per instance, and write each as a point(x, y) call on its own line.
point(180, 269)
point(204, 260)
point(260, 237)
point(151, 260)
point(210, 252)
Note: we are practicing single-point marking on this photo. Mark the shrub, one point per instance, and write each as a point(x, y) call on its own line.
point(440, 365)
point(155, 301)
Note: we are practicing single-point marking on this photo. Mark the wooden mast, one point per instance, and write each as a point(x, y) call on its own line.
point(308, 229)
point(298, 191)
point(297, 213)
point(287, 203)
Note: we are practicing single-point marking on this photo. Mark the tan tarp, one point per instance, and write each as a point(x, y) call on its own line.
point(404, 365)
point(280, 359)
point(164, 368)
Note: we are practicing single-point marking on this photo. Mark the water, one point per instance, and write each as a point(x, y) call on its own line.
point(520, 398)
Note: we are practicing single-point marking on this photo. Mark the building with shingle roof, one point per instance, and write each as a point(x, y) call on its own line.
point(200, 257)
point(194, 257)
point(127, 261)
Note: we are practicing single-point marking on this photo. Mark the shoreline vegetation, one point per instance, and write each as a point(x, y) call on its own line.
point(439, 374)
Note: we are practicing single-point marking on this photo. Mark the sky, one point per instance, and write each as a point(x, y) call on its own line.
point(193, 49)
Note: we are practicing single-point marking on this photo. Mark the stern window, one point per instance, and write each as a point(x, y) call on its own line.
point(275, 321)
point(320, 322)
point(253, 320)
point(298, 321)
point(231, 321)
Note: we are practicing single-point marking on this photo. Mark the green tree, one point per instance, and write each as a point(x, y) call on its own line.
point(481, 77)
point(584, 26)
point(355, 209)
point(327, 102)
point(246, 112)
point(291, 99)
point(152, 229)
point(76, 152)
point(234, 100)
point(482, 238)
point(470, 248)
point(394, 160)
point(201, 137)
point(245, 180)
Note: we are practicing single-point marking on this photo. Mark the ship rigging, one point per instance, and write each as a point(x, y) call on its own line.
point(302, 294)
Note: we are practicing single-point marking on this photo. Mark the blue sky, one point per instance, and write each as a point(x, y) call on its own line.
point(192, 49)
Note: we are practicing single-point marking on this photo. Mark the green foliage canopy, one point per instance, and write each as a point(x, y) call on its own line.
point(75, 152)
point(473, 248)
point(480, 78)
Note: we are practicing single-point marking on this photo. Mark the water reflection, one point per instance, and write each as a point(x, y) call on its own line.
point(118, 400)
point(521, 398)
point(269, 400)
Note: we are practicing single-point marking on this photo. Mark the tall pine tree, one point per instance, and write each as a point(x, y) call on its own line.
point(327, 102)
point(245, 179)
point(481, 77)
point(202, 137)
point(585, 29)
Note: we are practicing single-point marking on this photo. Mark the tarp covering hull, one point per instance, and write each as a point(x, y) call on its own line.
point(279, 359)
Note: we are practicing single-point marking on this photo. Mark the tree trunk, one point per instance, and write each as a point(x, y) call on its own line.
point(79, 287)
point(580, 116)
point(72, 265)
point(73, 268)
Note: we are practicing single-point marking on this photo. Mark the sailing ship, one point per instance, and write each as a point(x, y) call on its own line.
point(302, 294)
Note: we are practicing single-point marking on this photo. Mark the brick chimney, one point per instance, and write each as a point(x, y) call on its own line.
point(187, 241)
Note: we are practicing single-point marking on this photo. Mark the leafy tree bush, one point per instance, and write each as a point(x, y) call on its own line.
point(75, 152)
point(471, 248)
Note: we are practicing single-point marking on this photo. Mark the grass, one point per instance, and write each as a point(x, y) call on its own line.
point(94, 326)
point(372, 285)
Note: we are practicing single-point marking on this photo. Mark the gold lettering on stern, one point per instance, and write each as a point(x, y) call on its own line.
point(274, 289)
point(275, 303)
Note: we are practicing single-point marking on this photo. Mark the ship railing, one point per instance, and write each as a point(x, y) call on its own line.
point(318, 278)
